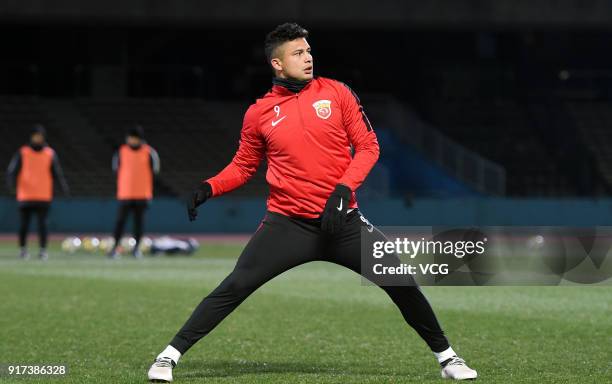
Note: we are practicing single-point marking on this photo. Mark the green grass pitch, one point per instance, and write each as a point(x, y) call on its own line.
point(315, 324)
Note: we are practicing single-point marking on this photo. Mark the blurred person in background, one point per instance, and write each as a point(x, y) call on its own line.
point(31, 174)
point(320, 146)
point(136, 164)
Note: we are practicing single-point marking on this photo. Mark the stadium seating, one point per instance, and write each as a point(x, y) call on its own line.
point(194, 139)
point(17, 117)
point(524, 121)
point(593, 119)
point(502, 131)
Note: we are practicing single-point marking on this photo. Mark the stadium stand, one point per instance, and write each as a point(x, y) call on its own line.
point(501, 131)
point(528, 131)
point(195, 139)
point(593, 119)
point(17, 117)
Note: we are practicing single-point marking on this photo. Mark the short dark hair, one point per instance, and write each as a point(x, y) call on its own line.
point(281, 34)
point(136, 131)
point(39, 128)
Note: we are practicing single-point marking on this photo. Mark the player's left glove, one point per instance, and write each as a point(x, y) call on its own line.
point(334, 214)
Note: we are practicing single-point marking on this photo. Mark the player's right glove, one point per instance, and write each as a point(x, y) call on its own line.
point(197, 198)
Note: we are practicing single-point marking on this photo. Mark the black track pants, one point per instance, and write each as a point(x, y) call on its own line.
point(138, 207)
point(282, 243)
point(26, 210)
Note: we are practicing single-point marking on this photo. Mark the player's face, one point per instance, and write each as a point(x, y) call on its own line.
point(37, 139)
point(293, 60)
point(133, 141)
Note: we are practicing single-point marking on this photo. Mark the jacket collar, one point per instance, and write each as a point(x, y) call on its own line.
point(288, 87)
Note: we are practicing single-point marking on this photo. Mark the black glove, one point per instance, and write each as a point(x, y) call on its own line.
point(334, 214)
point(198, 197)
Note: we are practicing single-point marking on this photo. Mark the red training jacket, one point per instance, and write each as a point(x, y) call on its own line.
point(306, 138)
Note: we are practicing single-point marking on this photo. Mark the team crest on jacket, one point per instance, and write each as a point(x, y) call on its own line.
point(323, 108)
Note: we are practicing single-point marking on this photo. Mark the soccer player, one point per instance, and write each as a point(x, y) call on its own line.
point(305, 127)
point(33, 169)
point(135, 163)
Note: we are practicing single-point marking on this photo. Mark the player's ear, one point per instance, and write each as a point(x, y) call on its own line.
point(277, 64)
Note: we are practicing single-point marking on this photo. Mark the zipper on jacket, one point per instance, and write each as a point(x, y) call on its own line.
point(297, 99)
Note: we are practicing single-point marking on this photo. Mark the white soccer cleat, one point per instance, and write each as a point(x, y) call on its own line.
point(456, 369)
point(23, 254)
point(161, 370)
point(113, 254)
